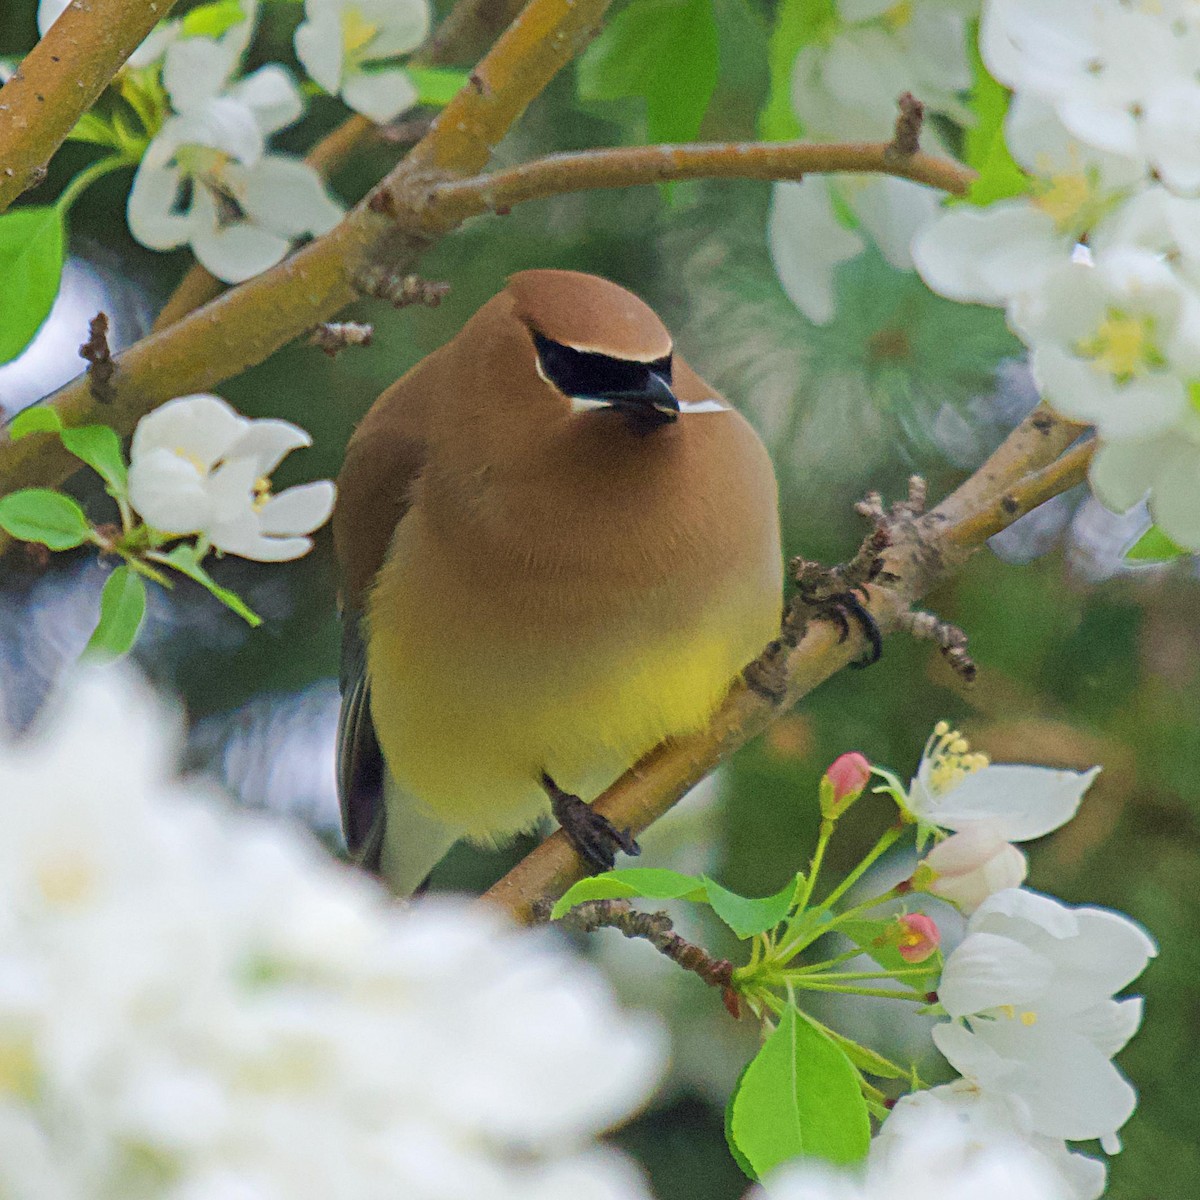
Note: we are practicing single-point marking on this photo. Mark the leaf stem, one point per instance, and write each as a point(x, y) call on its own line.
point(87, 177)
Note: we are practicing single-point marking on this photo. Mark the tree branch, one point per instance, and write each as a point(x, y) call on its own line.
point(925, 550)
point(252, 321)
point(588, 170)
point(60, 80)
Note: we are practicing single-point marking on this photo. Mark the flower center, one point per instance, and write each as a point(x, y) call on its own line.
point(1026, 1018)
point(357, 32)
point(1123, 346)
point(1065, 201)
point(194, 460)
point(950, 760)
point(262, 493)
point(899, 15)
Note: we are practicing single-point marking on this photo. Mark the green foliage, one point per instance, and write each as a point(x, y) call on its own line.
point(213, 19)
point(872, 938)
point(45, 516)
point(32, 246)
point(985, 147)
point(1154, 546)
point(800, 23)
point(437, 86)
point(186, 560)
point(97, 445)
point(799, 1097)
point(122, 607)
point(650, 882)
point(663, 52)
point(746, 916)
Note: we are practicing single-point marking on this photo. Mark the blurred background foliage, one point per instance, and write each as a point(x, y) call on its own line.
point(1081, 660)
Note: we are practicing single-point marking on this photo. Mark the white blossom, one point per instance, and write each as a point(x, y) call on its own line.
point(149, 52)
point(983, 1120)
point(198, 467)
point(844, 87)
point(199, 1003)
point(207, 178)
point(954, 788)
point(931, 1159)
point(972, 864)
point(343, 44)
point(1029, 992)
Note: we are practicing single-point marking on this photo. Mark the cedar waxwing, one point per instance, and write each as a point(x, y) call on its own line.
point(560, 546)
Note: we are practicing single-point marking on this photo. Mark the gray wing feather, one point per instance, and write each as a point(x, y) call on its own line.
point(360, 767)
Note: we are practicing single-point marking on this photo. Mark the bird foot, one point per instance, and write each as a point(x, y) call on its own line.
point(843, 606)
point(595, 838)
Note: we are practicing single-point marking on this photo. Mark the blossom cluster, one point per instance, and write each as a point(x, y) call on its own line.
point(1096, 258)
point(206, 176)
point(844, 85)
point(1029, 993)
point(196, 1002)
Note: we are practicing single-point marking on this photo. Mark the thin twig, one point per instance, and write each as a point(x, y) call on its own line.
point(96, 353)
point(60, 79)
point(655, 928)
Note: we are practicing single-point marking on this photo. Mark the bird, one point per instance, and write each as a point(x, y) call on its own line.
point(558, 547)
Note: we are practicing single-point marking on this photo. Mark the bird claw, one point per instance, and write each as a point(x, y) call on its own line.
point(595, 838)
point(839, 608)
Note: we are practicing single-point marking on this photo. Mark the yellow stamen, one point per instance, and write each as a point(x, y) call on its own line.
point(65, 882)
point(950, 760)
point(1008, 1011)
point(1065, 200)
point(1028, 1018)
point(357, 31)
point(1123, 346)
point(899, 15)
point(262, 493)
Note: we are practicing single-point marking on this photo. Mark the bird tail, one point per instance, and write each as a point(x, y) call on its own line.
point(413, 841)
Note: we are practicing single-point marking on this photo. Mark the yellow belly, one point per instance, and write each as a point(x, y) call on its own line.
point(469, 713)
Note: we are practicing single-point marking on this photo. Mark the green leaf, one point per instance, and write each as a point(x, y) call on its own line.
point(213, 19)
point(183, 559)
point(42, 515)
point(867, 1059)
point(738, 1156)
point(663, 52)
point(122, 607)
point(31, 259)
point(986, 150)
point(1154, 546)
point(37, 418)
point(437, 86)
point(651, 882)
point(865, 935)
point(800, 23)
point(99, 447)
point(746, 916)
point(800, 1096)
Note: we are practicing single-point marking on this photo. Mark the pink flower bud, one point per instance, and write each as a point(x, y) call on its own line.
point(843, 783)
point(972, 864)
point(919, 938)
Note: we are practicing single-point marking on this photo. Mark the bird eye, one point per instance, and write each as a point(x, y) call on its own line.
point(585, 374)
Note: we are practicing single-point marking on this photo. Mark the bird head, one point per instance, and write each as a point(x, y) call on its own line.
point(596, 347)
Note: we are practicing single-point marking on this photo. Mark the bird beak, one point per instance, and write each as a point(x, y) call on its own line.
point(650, 403)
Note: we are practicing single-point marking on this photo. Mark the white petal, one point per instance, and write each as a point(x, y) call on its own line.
point(1110, 1025)
point(1019, 904)
point(231, 494)
point(893, 211)
point(1138, 409)
point(403, 26)
point(969, 888)
point(1026, 802)
point(807, 243)
point(241, 540)
point(150, 207)
point(318, 44)
point(288, 197)
point(224, 124)
point(168, 492)
point(298, 509)
point(195, 70)
point(1175, 500)
point(272, 96)
point(1121, 473)
point(200, 427)
point(986, 971)
point(379, 95)
point(239, 251)
point(1105, 126)
point(267, 442)
point(986, 255)
point(155, 45)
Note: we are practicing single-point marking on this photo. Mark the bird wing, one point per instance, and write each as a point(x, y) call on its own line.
point(383, 460)
point(360, 766)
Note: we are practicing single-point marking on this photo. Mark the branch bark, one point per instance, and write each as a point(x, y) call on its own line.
point(60, 79)
point(924, 552)
point(588, 170)
point(252, 321)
